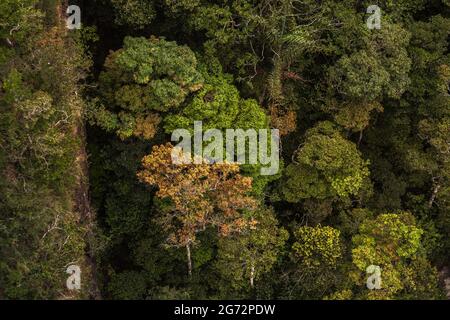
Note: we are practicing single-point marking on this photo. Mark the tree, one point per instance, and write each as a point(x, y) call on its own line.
point(392, 242)
point(214, 195)
point(247, 256)
point(326, 165)
point(317, 247)
point(128, 285)
point(144, 78)
point(429, 94)
point(19, 19)
point(136, 13)
point(314, 266)
point(219, 105)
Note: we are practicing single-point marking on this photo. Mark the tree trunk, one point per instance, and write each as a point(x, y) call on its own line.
point(189, 261)
point(433, 195)
point(252, 275)
point(360, 137)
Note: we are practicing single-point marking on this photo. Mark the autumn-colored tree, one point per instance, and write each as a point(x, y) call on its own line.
point(283, 120)
point(201, 195)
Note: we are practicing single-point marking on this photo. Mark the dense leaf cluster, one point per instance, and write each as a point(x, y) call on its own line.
point(364, 118)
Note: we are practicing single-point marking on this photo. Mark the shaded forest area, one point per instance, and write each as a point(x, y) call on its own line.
point(86, 118)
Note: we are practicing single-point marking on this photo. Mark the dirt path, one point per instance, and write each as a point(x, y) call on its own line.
point(81, 195)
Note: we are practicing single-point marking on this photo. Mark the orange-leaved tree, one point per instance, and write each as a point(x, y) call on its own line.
point(205, 194)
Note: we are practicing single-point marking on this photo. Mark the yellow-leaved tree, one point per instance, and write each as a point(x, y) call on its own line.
point(200, 195)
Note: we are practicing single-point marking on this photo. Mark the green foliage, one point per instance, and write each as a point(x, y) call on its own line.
point(364, 122)
point(168, 293)
point(381, 69)
point(393, 242)
point(146, 76)
point(327, 165)
point(365, 132)
point(19, 19)
point(136, 13)
point(42, 228)
point(219, 106)
point(317, 247)
point(386, 239)
point(128, 285)
point(252, 254)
